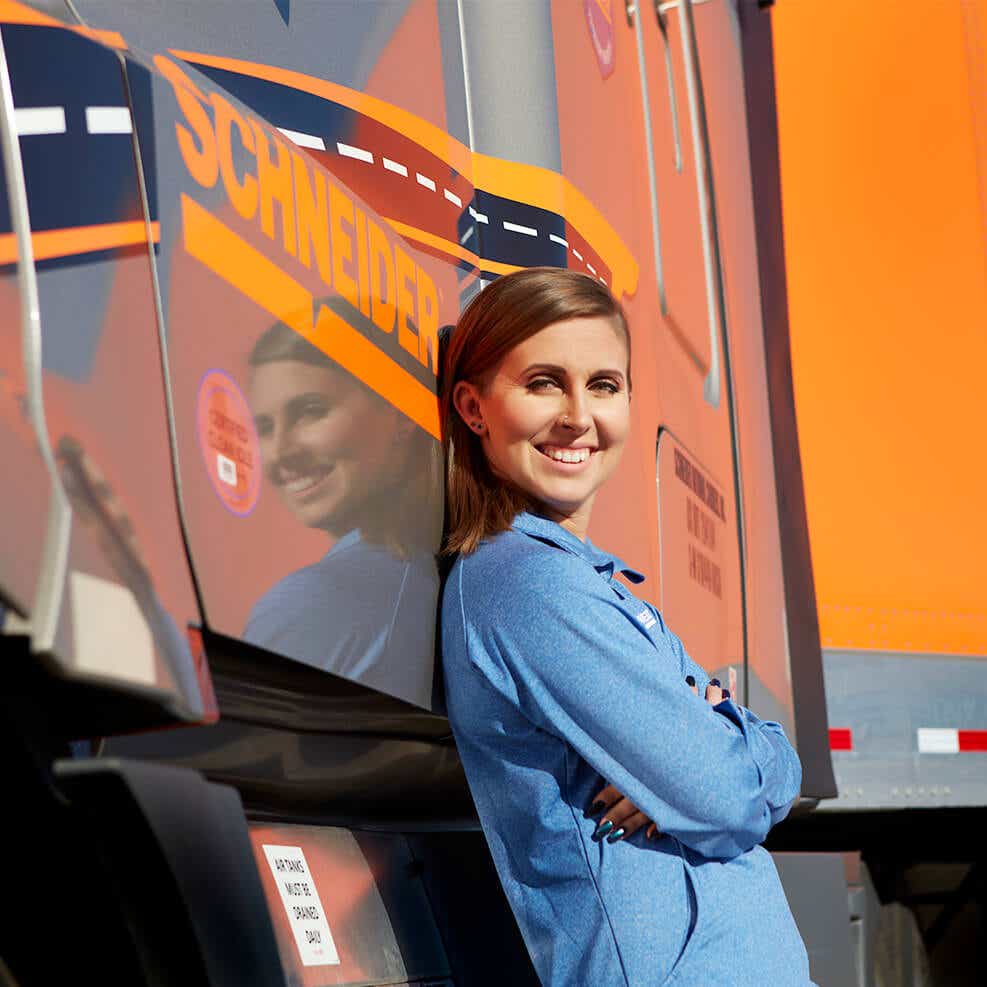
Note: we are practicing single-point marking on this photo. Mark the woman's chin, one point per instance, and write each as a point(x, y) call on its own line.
point(563, 503)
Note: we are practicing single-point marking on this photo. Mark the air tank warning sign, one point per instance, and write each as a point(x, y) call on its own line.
point(699, 560)
point(302, 904)
point(704, 511)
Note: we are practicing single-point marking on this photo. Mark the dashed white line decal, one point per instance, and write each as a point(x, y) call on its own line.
point(935, 741)
point(108, 120)
point(453, 198)
point(478, 216)
point(558, 240)
point(348, 151)
point(515, 228)
point(577, 254)
point(395, 166)
point(591, 269)
point(304, 140)
point(32, 120)
point(466, 235)
point(424, 180)
point(603, 281)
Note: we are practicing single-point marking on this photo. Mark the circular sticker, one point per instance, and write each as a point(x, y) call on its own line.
point(228, 442)
point(599, 18)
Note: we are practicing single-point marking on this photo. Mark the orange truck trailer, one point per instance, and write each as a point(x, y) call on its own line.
point(230, 234)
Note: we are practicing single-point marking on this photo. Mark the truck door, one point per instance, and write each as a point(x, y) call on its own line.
point(628, 144)
point(120, 600)
point(692, 71)
point(314, 236)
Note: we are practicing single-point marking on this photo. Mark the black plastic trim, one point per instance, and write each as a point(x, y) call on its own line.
point(808, 690)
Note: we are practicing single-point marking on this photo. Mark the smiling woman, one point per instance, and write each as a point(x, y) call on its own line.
point(577, 713)
point(524, 418)
point(347, 463)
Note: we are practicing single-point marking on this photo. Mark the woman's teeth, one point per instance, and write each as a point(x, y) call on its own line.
point(566, 455)
point(301, 484)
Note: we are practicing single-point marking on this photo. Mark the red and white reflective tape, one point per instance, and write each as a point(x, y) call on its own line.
point(840, 739)
point(933, 740)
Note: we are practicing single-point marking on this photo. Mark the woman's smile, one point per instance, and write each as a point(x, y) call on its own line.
point(306, 485)
point(567, 455)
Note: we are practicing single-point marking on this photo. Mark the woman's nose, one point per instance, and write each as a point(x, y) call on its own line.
point(575, 414)
point(285, 443)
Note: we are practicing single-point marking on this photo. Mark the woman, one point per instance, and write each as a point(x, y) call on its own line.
point(557, 677)
point(346, 462)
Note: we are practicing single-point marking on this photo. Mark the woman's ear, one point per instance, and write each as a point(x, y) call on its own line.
point(466, 401)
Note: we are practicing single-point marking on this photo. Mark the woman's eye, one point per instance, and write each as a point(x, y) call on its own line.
point(541, 384)
point(314, 409)
point(606, 385)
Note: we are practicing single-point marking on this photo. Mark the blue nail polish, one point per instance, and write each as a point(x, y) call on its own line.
point(615, 835)
point(715, 682)
point(603, 829)
point(690, 680)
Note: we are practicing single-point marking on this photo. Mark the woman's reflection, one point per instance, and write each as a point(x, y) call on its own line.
point(346, 462)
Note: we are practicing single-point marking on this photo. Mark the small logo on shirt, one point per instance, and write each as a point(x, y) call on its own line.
point(646, 619)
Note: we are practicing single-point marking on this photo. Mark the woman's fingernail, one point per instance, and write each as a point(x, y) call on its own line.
point(726, 693)
point(615, 835)
point(690, 680)
point(595, 808)
point(715, 682)
point(603, 829)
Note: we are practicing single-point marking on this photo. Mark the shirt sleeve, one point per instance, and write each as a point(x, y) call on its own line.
point(786, 780)
point(554, 639)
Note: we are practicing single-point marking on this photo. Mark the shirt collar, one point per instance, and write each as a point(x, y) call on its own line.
point(549, 531)
point(347, 541)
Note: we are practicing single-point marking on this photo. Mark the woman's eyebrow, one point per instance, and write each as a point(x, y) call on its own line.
point(553, 368)
point(298, 402)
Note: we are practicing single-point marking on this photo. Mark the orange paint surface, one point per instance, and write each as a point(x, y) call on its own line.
point(16, 13)
point(884, 179)
point(80, 240)
point(413, 55)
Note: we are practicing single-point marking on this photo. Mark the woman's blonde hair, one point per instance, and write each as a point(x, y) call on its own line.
point(507, 312)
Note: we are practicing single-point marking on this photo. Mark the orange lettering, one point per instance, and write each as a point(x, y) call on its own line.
point(202, 160)
point(313, 218)
point(428, 320)
point(407, 336)
point(381, 291)
point(363, 275)
point(275, 183)
point(243, 194)
point(341, 208)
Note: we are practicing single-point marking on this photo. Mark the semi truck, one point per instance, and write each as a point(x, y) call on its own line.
point(230, 235)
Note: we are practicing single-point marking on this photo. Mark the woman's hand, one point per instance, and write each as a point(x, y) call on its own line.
point(621, 817)
point(715, 693)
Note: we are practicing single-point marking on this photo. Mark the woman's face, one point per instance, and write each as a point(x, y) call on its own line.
point(329, 447)
point(556, 414)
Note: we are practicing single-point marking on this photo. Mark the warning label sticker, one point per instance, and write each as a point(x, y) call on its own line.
point(228, 442)
point(302, 904)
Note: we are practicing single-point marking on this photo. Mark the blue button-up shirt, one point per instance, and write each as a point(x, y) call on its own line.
point(557, 677)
